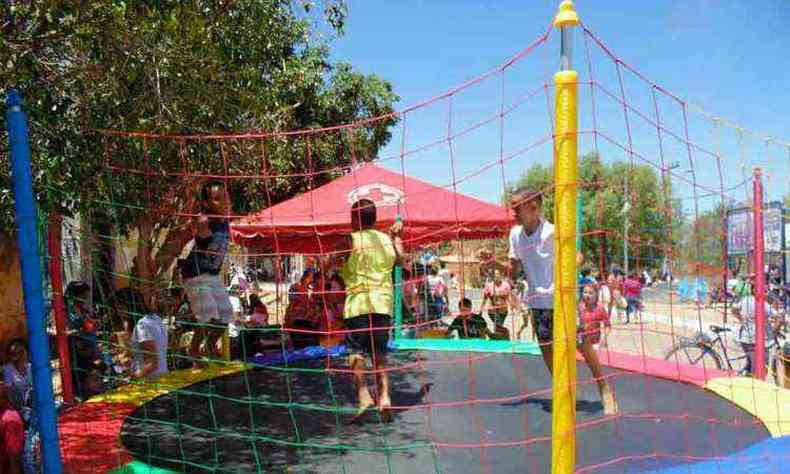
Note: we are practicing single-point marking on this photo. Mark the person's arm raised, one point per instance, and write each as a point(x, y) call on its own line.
point(395, 232)
point(145, 261)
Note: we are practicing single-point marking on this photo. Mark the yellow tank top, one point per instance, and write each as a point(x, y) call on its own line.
point(368, 274)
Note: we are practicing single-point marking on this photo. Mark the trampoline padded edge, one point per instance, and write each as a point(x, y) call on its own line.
point(767, 402)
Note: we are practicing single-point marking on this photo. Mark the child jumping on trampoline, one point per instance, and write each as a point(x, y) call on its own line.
point(208, 297)
point(532, 248)
point(367, 273)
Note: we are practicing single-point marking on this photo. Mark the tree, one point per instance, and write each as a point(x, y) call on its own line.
point(702, 242)
point(604, 208)
point(182, 67)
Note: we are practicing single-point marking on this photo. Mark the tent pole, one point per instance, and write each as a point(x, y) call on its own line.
point(398, 296)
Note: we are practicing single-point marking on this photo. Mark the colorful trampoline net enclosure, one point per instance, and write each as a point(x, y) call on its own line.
point(656, 196)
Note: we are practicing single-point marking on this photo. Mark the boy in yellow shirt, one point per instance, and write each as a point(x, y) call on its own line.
point(367, 315)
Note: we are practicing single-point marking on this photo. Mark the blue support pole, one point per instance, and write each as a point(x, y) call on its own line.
point(27, 239)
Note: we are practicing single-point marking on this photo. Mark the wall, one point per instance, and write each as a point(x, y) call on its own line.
point(12, 306)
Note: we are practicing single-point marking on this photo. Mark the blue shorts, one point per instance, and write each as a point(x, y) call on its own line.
point(633, 305)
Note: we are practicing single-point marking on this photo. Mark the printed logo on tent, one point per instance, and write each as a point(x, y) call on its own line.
point(381, 194)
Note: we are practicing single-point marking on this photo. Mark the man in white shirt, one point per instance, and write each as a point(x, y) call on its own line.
point(746, 312)
point(532, 249)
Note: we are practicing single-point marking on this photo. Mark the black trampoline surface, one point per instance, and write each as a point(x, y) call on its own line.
point(275, 420)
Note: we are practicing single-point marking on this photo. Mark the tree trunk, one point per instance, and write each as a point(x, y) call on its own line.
point(12, 306)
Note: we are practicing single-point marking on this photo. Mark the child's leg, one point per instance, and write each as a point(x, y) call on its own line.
point(524, 325)
point(382, 381)
point(194, 346)
point(214, 335)
point(607, 395)
point(543, 327)
point(548, 356)
point(357, 363)
point(748, 352)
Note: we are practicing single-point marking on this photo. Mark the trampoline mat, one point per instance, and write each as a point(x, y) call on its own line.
point(457, 412)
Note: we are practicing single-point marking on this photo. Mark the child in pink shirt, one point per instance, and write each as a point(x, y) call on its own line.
point(592, 317)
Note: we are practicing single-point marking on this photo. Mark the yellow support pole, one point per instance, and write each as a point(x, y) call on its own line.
point(563, 426)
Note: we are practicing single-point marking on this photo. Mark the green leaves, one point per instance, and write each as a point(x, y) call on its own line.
point(181, 67)
point(602, 190)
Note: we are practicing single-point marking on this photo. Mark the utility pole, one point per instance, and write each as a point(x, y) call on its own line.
point(626, 223)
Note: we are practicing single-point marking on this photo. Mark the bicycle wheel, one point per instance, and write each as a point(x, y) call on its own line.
point(698, 355)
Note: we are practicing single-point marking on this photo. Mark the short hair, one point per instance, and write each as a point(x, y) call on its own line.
point(524, 195)
point(465, 303)
point(206, 189)
point(364, 212)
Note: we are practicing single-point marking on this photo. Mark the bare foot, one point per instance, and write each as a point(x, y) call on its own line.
point(365, 402)
point(609, 402)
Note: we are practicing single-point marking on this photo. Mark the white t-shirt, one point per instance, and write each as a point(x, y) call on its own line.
point(234, 328)
point(235, 302)
point(536, 253)
point(445, 274)
point(748, 330)
point(150, 328)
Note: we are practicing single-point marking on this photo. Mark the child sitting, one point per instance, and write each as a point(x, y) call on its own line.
point(468, 325)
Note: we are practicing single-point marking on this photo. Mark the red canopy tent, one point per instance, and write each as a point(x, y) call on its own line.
point(314, 222)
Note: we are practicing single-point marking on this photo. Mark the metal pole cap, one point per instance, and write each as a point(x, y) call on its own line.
point(566, 16)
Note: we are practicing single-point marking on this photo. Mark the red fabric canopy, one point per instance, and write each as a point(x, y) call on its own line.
point(315, 222)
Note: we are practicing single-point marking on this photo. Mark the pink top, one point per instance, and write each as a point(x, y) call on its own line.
point(632, 288)
point(501, 290)
point(591, 322)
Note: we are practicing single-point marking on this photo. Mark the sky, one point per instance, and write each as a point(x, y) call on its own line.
point(727, 57)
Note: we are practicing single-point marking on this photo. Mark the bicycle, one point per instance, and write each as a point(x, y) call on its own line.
point(701, 347)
